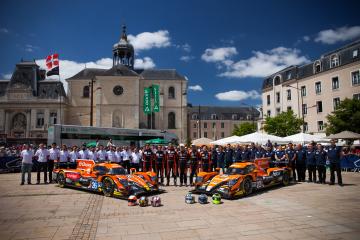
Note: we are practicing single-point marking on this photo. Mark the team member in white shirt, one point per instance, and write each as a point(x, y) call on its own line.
point(26, 164)
point(53, 158)
point(118, 155)
point(93, 155)
point(111, 155)
point(42, 155)
point(64, 157)
point(84, 153)
point(102, 155)
point(74, 155)
point(135, 159)
point(126, 158)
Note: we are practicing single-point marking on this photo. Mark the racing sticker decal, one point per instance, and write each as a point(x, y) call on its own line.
point(94, 185)
point(72, 176)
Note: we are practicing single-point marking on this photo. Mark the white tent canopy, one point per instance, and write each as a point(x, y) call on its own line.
point(260, 138)
point(224, 141)
point(304, 138)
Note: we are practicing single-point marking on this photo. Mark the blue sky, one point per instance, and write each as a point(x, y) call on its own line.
point(225, 47)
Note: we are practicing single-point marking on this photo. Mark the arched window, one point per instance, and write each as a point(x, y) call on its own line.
point(171, 92)
point(317, 67)
point(86, 92)
point(194, 116)
point(277, 80)
point(334, 61)
point(171, 120)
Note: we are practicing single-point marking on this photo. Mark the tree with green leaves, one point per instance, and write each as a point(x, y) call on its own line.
point(345, 117)
point(244, 128)
point(283, 124)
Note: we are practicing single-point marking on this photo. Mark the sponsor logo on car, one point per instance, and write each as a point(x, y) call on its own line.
point(85, 164)
point(72, 176)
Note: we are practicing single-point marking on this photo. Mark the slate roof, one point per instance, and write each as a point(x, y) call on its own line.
point(121, 70)
point(223, 113)
point(307, 70)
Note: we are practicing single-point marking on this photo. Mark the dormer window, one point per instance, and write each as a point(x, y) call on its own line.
point(194, 116)
point(355, 53)
point(277, 80)
point(213, 116)
point(334, 61)
point(234, 117)
point(317, 67)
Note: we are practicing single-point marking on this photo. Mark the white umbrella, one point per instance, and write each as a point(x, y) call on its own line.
point(260, 138)
point(224, 141)
point(303, 138)
point(201, 141)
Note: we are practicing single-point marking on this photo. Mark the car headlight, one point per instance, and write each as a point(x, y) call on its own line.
point(199, 179)
point(232, 182)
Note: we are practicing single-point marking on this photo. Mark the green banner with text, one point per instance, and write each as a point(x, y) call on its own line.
point(156, 95)
point(147, 100)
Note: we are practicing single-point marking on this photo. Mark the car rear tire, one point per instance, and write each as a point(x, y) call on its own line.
point(61, 179)
point(247, 186)
point(286, 179)
point(108, 187)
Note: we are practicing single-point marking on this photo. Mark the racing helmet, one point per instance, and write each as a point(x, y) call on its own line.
point(143, 201)
point(216, 198)
point(132, 200)
point(203, 199)
point(156, 201)
point(189, 198)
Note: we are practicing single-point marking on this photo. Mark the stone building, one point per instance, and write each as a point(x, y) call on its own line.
point(315, 89)
point(216, 122)
point(116, 95)
point(29, 104)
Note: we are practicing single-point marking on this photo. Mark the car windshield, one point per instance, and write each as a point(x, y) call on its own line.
point(117, 171)
point(232, 171)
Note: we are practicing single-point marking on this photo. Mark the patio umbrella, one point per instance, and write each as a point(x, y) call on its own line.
point(344, 135)
point(224, 141)
point(303, 138)
point(202, 141)
point(157, 141)
point(260, 138)
point(91, 144)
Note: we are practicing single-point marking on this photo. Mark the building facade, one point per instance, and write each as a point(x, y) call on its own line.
point(217, 122)
point(29, 104)
point(116, 95)
point(314, 90)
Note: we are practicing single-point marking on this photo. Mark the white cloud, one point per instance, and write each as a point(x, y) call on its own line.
point(69, 68)
point(186, 58)
point(264, 63)
point(218, 54)
point(30, 48)
point(144, 63)
point(195, 88)
point(148, 40)
point(4, 30)
point(186, 47)
point(7, 76)
point(306, 38)
point(236, 95)
point(331, 36)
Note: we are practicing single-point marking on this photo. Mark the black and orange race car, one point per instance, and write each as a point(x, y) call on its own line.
point(242, 178)
point(109, 178)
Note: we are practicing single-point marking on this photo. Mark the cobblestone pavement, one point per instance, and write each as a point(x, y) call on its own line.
point(299, 211)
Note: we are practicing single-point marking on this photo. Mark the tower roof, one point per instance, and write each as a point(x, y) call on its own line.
point(123, 42)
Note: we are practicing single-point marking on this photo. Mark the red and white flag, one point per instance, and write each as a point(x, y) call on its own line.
point(52, 64)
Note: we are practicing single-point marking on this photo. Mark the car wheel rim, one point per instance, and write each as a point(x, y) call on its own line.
point(61, 179)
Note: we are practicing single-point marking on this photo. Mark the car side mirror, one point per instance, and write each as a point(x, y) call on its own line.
point(217, 169)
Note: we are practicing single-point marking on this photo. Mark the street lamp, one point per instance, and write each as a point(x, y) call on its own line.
point(302, 105)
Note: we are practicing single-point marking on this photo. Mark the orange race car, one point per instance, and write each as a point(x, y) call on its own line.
point(242, 178)
point(108, 178)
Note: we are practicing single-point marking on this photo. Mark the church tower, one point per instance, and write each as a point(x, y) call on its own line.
point(123, 51)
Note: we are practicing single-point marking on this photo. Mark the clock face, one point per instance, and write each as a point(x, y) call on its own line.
point(118, 90)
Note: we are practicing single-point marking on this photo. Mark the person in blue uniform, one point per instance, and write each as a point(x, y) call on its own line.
point(237, 153)
point(229, 152)
point(311, 163)
point(252, 150)
point(290, 158)
point(220, 158)
point(259, 152)
point(245, 154)
point(300, 163)
point(213, 156)
point(280, 156)
point(334, 154)
point(320, 156)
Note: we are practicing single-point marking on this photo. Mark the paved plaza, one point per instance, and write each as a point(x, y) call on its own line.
point(299, 211)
